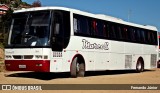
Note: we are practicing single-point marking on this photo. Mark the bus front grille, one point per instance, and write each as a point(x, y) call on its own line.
point(23, 56)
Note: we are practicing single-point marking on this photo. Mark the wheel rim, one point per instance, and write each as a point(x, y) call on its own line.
point(77, 67)
point(139, 67)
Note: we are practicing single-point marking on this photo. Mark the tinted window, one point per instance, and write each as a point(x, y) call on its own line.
point(112, 31)
point(100, 28)
point(119, 32)
point(80, 25)
point(96, 28)
point(132, 34)
point(30, 29)
point(60, 30)
point(125, 33)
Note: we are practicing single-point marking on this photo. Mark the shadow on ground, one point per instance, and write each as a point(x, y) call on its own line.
point(50, 76)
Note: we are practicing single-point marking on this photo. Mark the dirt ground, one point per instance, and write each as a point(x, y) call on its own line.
point(100, 77)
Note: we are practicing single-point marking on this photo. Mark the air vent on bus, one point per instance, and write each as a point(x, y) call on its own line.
point(128, 61)
point(23, 56)
point(153, 60)
point(57, 54)
point(28, 56)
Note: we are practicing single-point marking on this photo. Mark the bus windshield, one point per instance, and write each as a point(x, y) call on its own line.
point(30, 29)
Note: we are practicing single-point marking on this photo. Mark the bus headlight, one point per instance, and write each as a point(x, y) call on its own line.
point(8, 56)
point(38, 56)
point(41, 57)
point(45, 57)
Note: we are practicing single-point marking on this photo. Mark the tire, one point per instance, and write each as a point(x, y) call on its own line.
point(139, 66)
point(81, 71)
point(77, 68)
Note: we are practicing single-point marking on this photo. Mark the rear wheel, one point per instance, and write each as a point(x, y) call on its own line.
point(77, 68)
point(140, 66)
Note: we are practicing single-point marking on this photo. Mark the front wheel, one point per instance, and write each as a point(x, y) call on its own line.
point(77, 68)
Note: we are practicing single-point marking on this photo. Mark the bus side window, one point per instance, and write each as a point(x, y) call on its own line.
point(154, 38)
point(112, 31)
point(144, 36)
point(107, 30)
point(94, 28)
point(75, 25)
point(83, 26)
point(100, 28)
point(132, 34)
point(119, 31)
point(137, 36)
point(80, 24)
point(125, 33)
point(149, 37)
point(104, 31)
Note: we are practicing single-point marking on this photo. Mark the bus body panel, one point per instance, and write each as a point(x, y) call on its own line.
point(28, 65)
point(116, 56)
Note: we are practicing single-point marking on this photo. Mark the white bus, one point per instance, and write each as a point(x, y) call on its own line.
point(58, 39)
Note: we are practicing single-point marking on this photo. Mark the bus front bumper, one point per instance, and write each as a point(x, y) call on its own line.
point(28, 65)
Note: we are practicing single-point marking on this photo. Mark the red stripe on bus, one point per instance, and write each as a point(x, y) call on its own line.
point(28, 65)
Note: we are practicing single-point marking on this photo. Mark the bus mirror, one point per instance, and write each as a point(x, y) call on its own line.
point(53, 39)
point(56, 31)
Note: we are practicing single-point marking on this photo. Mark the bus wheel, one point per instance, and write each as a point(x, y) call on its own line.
point(140, 65)
point(77, 68)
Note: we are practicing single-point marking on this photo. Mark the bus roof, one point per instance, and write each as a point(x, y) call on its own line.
point(98, 16)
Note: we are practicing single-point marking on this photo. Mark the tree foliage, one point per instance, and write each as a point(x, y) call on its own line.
point(7, 16)
point(5, 20)
point(5, 1)
point(36, 3)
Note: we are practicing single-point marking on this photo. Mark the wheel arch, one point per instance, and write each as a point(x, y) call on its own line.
point(80, 58)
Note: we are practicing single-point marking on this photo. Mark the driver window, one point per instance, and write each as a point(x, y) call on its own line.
point(57, 24)
point(60, 30)
point(57, 37)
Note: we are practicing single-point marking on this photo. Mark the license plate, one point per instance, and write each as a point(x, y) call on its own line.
point(22, 66)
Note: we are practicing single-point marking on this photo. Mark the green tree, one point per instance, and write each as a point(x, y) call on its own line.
point(36, 3)
point(7, 16)
point(4, 1)
point(6, 20)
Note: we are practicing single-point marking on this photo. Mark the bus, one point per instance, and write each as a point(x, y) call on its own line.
point(60, 39)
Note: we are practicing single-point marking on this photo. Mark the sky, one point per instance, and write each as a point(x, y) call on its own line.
point(145, 12)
